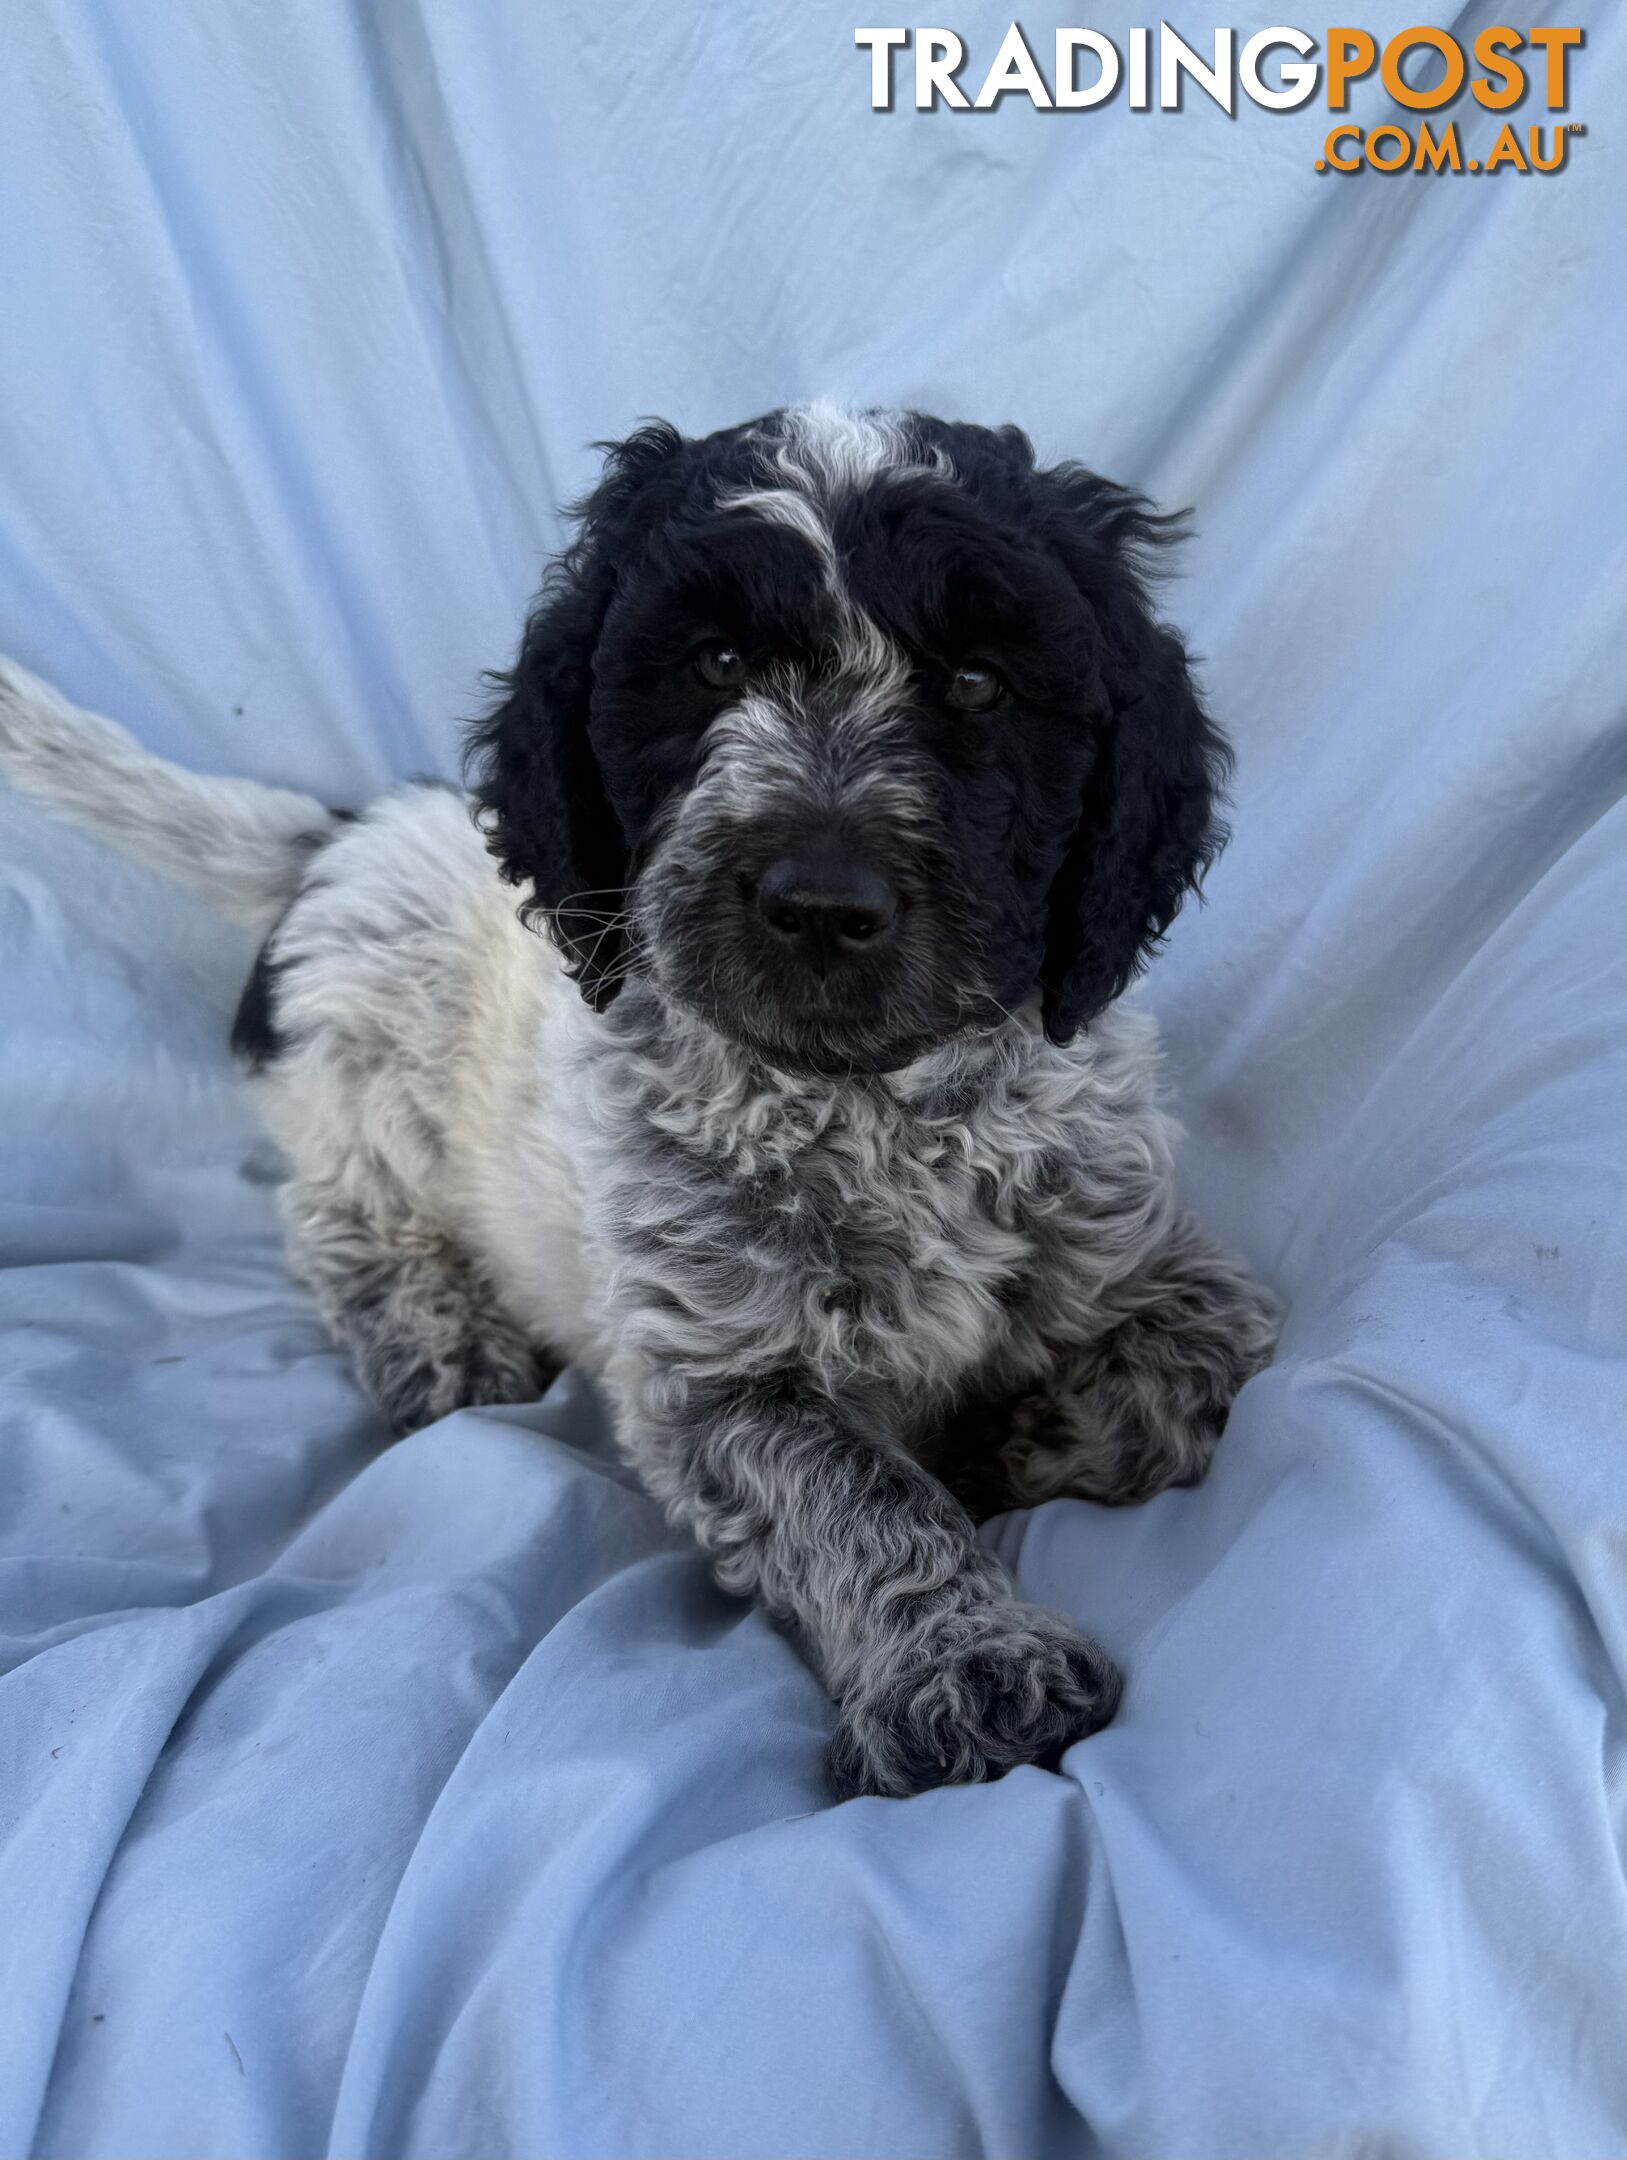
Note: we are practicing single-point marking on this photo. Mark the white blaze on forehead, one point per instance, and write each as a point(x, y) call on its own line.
point(785, 506)
point(823, 451)
point(827, 449)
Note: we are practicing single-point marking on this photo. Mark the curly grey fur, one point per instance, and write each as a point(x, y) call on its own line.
point(808, 1281)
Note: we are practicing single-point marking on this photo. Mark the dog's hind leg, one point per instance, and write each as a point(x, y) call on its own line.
point(423, 1326)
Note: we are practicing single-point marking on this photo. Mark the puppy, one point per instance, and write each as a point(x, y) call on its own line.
point(853, 778)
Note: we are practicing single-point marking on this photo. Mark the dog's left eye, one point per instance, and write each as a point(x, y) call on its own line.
point(720, 667)
point(975, 687)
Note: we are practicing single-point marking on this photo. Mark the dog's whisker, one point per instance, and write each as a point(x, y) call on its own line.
point(609, 930)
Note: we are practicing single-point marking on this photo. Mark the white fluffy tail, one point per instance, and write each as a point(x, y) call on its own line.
point(243, 844)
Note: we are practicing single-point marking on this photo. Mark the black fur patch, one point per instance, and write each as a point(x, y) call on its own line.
point(255, 1038)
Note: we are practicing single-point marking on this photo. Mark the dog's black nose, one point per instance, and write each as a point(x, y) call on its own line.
point(831, 910)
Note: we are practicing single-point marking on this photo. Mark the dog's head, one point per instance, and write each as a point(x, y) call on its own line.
point(848, 730)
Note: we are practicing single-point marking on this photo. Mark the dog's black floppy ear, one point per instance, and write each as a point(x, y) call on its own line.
point(1148, 825)
point(539, 795)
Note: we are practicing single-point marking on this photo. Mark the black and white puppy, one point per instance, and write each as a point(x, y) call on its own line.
point(853, 777)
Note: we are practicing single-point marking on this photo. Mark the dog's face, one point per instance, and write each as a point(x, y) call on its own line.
point(848, 732)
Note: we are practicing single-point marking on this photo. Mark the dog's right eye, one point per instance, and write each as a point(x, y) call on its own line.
point(975, 688)
point(720, 667)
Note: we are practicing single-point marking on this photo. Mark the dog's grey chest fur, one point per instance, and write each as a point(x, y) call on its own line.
point(874, 1234)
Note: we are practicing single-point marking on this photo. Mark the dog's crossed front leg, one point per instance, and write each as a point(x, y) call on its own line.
point(940, 1674)
point(1139, 1403)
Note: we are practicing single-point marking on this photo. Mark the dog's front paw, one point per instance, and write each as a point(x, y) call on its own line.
point(983, 1691)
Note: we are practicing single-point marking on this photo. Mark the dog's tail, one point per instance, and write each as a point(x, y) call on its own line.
point(242, 844)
